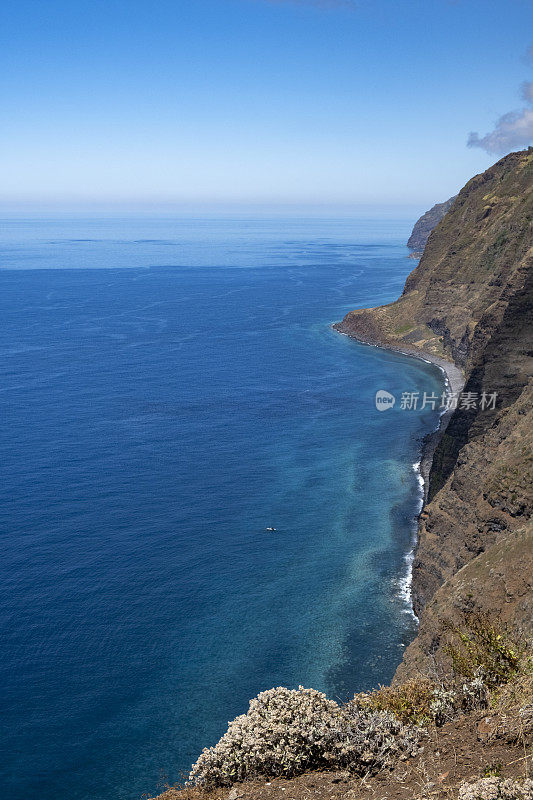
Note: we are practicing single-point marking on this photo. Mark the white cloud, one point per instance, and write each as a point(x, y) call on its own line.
point(512, 130)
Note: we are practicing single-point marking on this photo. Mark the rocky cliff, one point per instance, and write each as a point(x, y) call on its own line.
point(470, 301)
point(426, 223)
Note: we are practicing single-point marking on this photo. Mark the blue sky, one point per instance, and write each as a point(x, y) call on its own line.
point(147, 104)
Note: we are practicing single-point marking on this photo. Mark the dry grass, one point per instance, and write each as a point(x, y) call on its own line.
point(512, 705)
point(484, 647)
point(410, 702)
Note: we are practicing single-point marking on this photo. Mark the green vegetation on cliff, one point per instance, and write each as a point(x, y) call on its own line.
point(470, 301)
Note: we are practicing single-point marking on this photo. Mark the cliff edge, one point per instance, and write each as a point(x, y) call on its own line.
point(470, 301)
point(423, 226)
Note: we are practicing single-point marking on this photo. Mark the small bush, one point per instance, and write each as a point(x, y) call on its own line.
point(482, 648)
point(365, 742)
point(289, 731)
point(282, 734)
point(475, 694)
point(493, 770)
point(496, 789)
point(410, 702)
point(442, 706)
point(419, 701)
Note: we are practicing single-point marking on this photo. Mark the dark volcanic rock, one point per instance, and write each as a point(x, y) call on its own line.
point(426, 223)
point(470, 300)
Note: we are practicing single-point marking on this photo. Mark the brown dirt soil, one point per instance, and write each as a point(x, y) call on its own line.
point(461, 750)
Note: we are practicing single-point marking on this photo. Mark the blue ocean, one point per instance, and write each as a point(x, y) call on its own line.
point(170, 389)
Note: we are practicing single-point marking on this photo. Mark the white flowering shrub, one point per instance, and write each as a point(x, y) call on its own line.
point(288, 731)
point(282, 734)
point(442, 706)
point(367, 741)
point(496, 789)
point(475, 692)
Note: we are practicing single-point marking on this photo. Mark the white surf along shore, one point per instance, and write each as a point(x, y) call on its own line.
point(453, 384)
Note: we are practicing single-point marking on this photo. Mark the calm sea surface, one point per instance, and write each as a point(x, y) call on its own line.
point(169, 389)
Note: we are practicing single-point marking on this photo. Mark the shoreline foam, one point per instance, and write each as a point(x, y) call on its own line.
point(453, 382)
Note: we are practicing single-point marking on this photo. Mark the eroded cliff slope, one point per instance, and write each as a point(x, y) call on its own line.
point(470, 301)
point(423, 226)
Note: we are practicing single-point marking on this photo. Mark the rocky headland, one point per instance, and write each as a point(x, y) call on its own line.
point(423, 226)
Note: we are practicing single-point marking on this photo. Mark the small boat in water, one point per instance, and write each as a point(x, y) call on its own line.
point(270, 529)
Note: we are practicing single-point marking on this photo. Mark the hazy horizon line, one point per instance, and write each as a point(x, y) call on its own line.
point(216, 208)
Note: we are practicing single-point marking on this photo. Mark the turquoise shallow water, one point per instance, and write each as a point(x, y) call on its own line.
point(169, 389)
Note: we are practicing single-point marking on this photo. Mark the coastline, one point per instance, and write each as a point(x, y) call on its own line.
point(454, 382)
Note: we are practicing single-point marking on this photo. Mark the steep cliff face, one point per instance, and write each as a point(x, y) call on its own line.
point(470, 300)
point(497, 584)
point(475, 260)
point(426, 223)
point(481, 480)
